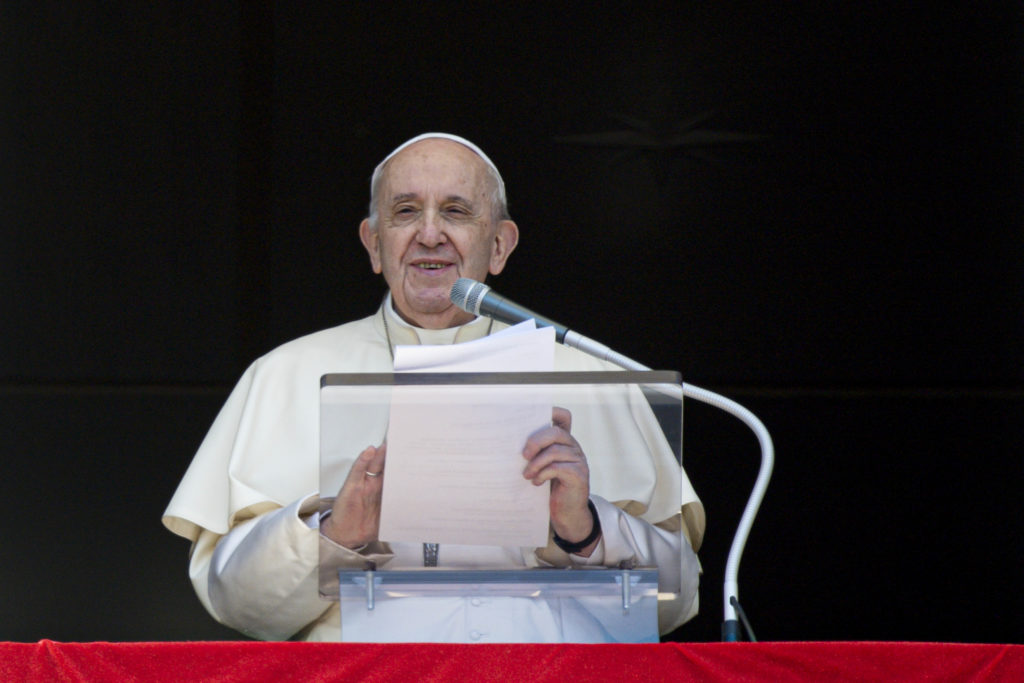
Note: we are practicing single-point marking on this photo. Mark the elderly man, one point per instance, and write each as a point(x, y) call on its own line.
point(249, 500)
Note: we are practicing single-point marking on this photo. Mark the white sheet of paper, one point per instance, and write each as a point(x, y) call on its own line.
point(454, 461)
point(520, 348)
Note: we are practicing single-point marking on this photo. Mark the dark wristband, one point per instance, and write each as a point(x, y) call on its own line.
point(572, 548)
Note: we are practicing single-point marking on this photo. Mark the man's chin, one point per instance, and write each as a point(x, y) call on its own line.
point(433, 311)
point(430, 301)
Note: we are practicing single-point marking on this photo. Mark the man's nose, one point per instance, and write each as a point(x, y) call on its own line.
point(431, 232)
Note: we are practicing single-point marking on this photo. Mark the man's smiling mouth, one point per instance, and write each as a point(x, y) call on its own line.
point(432, 265)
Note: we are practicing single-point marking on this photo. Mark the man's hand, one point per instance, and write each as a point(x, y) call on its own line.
point(555, 456)
point(355, 516)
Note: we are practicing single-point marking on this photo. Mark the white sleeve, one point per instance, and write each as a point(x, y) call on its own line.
point(261, 577)
point(625, 538)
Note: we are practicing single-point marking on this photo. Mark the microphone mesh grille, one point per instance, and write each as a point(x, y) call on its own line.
point(475, 296)
point(466, 295)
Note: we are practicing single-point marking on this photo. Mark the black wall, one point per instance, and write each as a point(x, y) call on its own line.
point(180, 185)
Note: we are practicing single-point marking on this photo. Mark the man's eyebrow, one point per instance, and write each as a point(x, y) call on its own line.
point(404, 196)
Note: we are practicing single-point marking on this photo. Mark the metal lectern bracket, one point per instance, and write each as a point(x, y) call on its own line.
point(626, 580)
point(369, 588)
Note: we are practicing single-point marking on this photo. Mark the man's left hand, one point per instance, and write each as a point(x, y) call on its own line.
point(554, 455)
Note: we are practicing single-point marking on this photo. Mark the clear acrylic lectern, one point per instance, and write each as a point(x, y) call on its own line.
point(629, 425)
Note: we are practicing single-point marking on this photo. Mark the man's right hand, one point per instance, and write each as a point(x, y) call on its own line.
point(355, 516)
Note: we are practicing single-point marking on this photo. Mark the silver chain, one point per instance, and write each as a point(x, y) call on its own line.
point(430, 554)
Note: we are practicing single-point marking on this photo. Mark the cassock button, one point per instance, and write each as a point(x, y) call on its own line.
point(475, 635)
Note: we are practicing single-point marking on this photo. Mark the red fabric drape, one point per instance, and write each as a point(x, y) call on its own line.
point(247, 661)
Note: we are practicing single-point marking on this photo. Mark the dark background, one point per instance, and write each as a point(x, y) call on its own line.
point(181, 185)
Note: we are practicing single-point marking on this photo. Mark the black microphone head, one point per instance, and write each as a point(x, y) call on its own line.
point(467, 293)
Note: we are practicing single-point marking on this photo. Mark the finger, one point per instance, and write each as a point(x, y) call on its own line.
point(559, 453)
point(561, 417)
point(370, 460)
point(363, 461)
point(545, 438)
point(557, 432)
point(565, 474)
point(376, 462)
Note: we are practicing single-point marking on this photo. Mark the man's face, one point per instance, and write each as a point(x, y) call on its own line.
point(435, 225)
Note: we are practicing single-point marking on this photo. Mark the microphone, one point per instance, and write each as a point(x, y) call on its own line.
point(479, 299)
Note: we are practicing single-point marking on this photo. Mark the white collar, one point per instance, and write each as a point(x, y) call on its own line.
point(449, 335)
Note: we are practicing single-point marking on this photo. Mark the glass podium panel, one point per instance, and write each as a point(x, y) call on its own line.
point(585, 605)
point(629, 425)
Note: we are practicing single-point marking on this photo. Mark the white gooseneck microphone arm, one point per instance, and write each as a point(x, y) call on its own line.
point(478, 299)
point(730, 624)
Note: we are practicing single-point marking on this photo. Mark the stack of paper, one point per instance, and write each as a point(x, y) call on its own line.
point(454, 458)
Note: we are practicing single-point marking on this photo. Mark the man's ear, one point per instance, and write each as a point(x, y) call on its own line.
point(506, 237)
point(371, 240)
